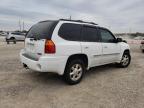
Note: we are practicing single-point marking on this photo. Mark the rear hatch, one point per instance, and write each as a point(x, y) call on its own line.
point(36, 38)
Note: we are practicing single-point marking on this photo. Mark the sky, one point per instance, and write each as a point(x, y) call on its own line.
point(117, 15)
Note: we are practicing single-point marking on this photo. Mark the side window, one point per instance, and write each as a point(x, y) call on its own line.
point(70, 32)
point(90, 34)
point(16, 33)
point(106, 36)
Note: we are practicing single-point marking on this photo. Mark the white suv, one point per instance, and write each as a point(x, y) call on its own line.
point(70, 47)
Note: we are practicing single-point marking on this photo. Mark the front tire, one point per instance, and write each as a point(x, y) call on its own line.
point(125, 61)
point(74, 71)
point(13, 39)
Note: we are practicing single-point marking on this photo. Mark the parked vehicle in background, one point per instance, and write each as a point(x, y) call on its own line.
point(70, 47)
point(3, 33)
point(15, 36)
point(142, 45)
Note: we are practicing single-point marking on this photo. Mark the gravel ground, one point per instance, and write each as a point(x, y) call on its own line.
point(102, 87)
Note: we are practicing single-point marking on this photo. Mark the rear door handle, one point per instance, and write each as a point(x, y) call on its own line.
point(86, 47)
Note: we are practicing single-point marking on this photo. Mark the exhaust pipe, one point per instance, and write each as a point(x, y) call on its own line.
point(25, 66)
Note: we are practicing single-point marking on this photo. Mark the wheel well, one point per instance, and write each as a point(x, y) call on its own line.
point(127, 51)
point(83, 57)
point(12, 38)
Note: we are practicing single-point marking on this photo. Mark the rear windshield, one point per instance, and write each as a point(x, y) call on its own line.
point(42, 30)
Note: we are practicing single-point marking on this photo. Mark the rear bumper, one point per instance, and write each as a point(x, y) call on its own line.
point(55, 64)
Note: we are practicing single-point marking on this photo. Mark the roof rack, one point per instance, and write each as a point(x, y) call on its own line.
point(78, 21)
point(46, 21)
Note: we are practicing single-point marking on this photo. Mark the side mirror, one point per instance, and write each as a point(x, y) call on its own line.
point(119, 40)
point(125, 41)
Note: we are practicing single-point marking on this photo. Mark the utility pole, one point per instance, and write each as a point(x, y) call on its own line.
point(19, 25)
point(23, 26)
point(70, 17)
point(129, 30)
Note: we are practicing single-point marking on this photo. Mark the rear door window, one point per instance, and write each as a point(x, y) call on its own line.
point(90, 34)
point(42, 30)
point(70, 31)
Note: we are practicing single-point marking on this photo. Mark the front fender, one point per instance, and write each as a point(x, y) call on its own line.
point(124, 46)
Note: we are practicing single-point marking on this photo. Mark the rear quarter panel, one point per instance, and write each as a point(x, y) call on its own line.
point(65, 47)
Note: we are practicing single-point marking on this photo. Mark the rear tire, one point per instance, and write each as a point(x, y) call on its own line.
point(74, 71)
point(14, 42)
point(7, 41)
point(125, 61)
point(143, 51)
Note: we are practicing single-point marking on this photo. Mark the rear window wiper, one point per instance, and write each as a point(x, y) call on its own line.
point(34, 38)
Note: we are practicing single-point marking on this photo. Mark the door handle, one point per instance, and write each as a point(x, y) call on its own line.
point(86, 47)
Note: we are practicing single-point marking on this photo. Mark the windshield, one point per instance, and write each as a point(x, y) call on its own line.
point(42, 30)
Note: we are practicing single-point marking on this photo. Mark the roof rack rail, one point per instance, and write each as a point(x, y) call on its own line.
point(46, 21)
point(78, 21)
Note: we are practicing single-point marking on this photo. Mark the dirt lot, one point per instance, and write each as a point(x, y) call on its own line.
point(102, 87)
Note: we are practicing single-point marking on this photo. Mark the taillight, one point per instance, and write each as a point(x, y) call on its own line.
point(50, 47)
